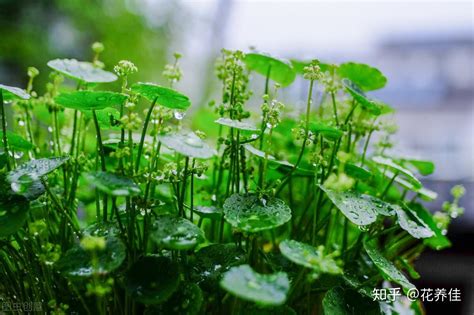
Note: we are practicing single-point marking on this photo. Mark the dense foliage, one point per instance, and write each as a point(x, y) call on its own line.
point(105, 210)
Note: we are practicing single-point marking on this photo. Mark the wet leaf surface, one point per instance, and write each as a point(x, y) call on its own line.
point(263, 289)
point(78, 263)
point(112, 184)
point(13, 213)
point(171, 232)
point(88, 100)
point(252, 214)
point(213, 260)
point(188, 144)
point(152, 280)
point(438, 241)
point(81, 70)
point(242, 125)
point(164, 96)
point(309, 256)
point(387, 162)
point(359, 209)
point(410, 222)
point(386, 267)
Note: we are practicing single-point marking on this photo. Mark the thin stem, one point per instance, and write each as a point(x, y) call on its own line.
point(4, 130)
point(142, 139)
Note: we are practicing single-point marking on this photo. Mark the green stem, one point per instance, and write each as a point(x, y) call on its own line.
point(142, 139)
point(4, 130)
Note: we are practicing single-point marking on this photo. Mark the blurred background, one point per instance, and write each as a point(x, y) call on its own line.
point(425, 48)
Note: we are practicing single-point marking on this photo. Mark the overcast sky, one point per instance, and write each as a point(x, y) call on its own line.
point(340, 26)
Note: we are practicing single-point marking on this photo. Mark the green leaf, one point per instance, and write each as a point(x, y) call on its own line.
point(241, 125)
point(171, 232)
point(108, 118)
point(438, 241)
point(11, 93)
point(328, 132)
point(359, 209)
point(281, 70)
point(17, 142)
point(387, 162)
point(365, 76)
point(357, 172)
point(410, 222)
point(164, 96)
point(152, 280)
point(252, 214)
point(187, 300)
point(112, 184)
point(35, 169)
point(386, 267)
point(188, 144)
point(263, 289)
point(78, 263)
point(13, 213)
point(211, 212)
point(88, 100)
point(299, 66)
point(213, 260)
point(309, 256)
point(372, 106)
point(263, 155)
point(424, 167)
point(339, 301)
point(81, 71)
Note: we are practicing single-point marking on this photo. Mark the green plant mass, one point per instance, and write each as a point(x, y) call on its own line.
point(110, 203)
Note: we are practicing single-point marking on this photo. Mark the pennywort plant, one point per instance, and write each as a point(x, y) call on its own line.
point(111, 204)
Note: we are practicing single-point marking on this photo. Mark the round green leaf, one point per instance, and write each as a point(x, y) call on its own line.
point(35, 169)
point(252, 214)
point(359, 209)
point(371, 106)
point(152, 280)
point(188, 145)
point(339, 301)
point(328, 132)
point(113, 184)
point(88, 100)
point(365, 76)
point(78, 263)
point(108, 118)
point(213, 260)
point(410, 222)
point(263, 289)
point(81, 71)
point(242, 125)
point(387, 162)
point(13, 213)
point(308, 256)
point(17, 142)
point(211, 212)
point(11, 93)
point(424, 167)
point(164, 96)
point(281, 70)
point(386, 267)
point(177, 233)
point(187, 300)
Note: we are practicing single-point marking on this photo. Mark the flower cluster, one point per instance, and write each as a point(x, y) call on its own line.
point(125, 68)
point(173, 72)
point(231, 71)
